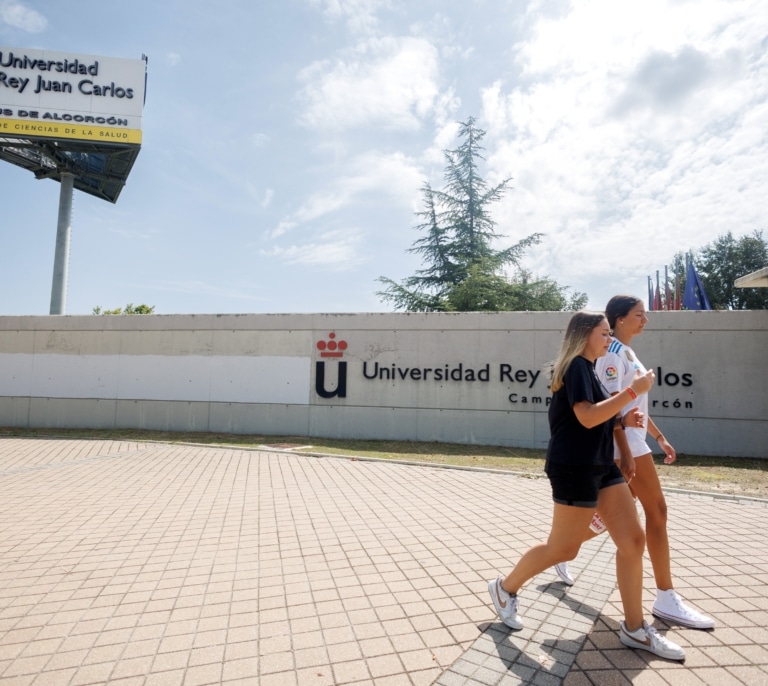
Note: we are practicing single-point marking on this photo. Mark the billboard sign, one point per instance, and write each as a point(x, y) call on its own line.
point(46, 94)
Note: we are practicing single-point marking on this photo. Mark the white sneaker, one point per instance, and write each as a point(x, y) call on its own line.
point(670, 607)
point(564, 573)
point(647, 638)
point(505, 604)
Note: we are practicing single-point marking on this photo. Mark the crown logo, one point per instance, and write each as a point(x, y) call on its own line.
point(331, 347)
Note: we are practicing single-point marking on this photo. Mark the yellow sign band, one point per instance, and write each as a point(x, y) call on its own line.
point(24, 128)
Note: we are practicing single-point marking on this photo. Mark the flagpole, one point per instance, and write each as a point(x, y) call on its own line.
point(657, 301)
point(650, 293)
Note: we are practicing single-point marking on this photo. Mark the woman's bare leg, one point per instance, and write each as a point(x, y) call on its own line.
point(617, 509)
point(647, 488)
point(569, 525)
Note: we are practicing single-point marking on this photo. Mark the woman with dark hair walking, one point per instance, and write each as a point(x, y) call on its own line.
point(627, 318)
point(585, 478)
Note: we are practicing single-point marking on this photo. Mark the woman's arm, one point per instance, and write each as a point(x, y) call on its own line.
point(626, 460)
point(664, 444)
point(591, 414)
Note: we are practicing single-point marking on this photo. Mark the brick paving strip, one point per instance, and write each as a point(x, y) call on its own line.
point(151, 564)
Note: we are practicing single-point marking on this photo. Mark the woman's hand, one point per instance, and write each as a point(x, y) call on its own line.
point(669, 451)
point(627, 465)
point(634, 419)
point(642, 382)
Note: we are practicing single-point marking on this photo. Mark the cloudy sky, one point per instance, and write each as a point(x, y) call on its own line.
point(285, 143)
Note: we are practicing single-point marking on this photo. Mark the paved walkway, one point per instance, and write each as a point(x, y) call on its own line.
point(148, 564)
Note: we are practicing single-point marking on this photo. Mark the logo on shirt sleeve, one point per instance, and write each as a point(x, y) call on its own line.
point(610, 373)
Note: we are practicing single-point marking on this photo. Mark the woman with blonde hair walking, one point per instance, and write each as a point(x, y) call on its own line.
point(627, 318)
point(585, 478)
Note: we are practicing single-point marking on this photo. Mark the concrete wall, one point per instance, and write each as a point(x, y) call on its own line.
point(468, 378)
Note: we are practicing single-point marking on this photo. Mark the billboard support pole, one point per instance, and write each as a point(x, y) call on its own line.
point(61, 260)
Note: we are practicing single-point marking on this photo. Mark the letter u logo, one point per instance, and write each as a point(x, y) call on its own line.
point(341, 386)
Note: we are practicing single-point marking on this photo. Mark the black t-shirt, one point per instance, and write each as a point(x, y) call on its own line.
point(571, 442)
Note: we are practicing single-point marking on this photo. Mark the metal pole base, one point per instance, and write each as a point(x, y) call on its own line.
point(61, 260)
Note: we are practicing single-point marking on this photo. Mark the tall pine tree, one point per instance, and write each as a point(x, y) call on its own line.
point(462, 271)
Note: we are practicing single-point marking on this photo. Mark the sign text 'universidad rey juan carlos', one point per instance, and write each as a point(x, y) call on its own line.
point(61, 95)
point(517, 378)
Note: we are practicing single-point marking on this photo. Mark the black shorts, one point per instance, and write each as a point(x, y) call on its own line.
point(579, 486)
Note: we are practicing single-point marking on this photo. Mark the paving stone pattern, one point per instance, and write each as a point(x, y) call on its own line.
point(151, 564)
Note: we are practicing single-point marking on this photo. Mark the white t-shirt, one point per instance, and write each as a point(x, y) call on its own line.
point(616, 371)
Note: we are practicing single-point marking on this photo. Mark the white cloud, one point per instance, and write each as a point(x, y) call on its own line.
point(665, 81)
point(335, 250)
point(607, 36)
point(259, 140)
point(634, 132)
point(394, 175)
point(444, 139)
point(370, 177)
point(448, 103)
point(18, 15)
point(283, 227)
point(173, 58)
point(360, 15)
point(384, 82)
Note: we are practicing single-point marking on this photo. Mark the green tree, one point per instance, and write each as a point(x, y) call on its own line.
point(523, 292)
point(544, 293)
point(724, 260)
point(461, 269)
point(130, 308)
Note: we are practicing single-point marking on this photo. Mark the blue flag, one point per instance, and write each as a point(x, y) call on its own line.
point(694, 297)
